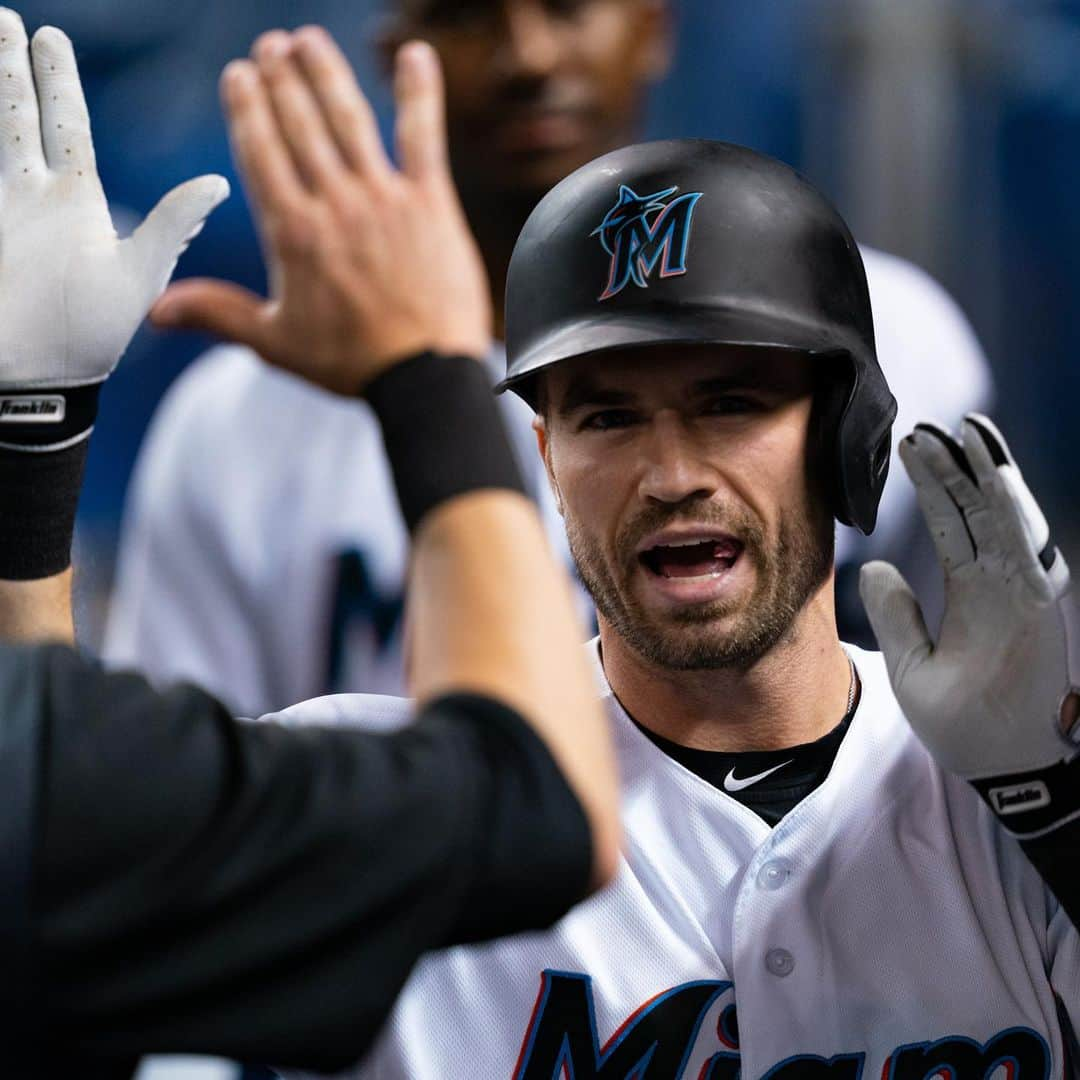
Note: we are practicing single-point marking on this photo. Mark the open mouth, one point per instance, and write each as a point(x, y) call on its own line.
point(691, 558)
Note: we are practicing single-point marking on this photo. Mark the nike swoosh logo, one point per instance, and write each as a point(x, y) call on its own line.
point(731, 784)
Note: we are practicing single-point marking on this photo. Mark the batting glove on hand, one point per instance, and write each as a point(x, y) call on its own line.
point(993, 699)
point(71, 292)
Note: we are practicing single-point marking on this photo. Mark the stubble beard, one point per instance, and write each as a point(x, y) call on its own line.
point(788, 572)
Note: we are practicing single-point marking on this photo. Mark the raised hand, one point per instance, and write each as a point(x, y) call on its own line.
point(994, 695)
point(368, 263)
point(71, 293)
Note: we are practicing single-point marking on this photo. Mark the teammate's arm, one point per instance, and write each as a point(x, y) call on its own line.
point(38, 610)
point(370, 265)
point(176, 881)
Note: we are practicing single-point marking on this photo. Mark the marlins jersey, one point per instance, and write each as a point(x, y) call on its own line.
point(886, 927)
point(264, 555)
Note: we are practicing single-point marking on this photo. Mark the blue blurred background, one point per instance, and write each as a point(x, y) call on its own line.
point(947, 131)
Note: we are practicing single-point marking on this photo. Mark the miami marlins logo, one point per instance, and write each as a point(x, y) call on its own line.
point(637, 244)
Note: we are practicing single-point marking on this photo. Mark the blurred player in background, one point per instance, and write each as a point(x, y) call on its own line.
point(243, 511)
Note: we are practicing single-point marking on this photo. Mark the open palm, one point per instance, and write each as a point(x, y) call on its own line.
point(989, 696)
point(71, 293)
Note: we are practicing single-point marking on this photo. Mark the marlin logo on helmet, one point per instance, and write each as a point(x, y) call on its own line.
point(637, 244)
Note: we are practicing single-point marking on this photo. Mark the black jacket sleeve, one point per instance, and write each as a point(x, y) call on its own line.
point(194, 883)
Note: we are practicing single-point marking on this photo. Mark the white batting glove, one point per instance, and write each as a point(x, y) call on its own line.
point(71, 293)
point(993, 699)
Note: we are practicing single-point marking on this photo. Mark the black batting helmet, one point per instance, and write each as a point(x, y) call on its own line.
point(690, 241)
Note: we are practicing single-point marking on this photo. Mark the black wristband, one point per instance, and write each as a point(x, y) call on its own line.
point(39, 493)
point(442, 431)
point(1033, 804)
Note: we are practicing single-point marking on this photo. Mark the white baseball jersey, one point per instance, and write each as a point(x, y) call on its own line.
point(886, 927)
point(264, 554)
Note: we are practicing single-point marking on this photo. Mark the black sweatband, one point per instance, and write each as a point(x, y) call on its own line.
point(39, 493)
point(442, 431)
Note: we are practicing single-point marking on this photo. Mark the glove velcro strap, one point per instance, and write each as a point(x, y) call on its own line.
point(48, 419)
point(1032, 804)
point(442, 431)
point(39, 494)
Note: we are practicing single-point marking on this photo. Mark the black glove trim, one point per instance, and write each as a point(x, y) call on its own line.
point(1031, 804)
point(47, 419)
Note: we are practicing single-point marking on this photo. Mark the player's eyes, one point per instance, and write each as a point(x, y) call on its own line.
point(608, 420)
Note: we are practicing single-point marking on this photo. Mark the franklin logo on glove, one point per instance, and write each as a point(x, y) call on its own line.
point(1019, 797)
point(32, 410)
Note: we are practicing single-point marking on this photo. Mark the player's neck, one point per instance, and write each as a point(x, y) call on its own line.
point(794, 694)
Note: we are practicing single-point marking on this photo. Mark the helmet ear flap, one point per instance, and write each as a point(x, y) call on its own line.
point(878, 460)
point(854, 420)
point(834, 379)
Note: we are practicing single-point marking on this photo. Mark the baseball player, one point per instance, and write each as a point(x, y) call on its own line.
point(234, 517)
point(837, 863)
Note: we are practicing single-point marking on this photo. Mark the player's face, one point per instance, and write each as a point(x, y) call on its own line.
point(689, 487)
point(537, 88)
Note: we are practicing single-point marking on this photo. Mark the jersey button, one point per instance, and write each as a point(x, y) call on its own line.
point(779, 962)
point(773, 874)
